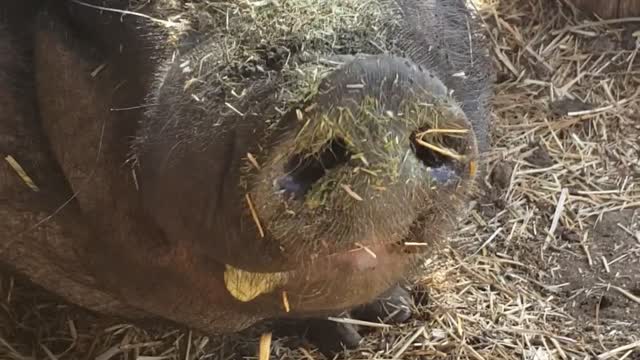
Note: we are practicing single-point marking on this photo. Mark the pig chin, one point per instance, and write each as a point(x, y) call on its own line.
point(340, 278)
point(353, 180)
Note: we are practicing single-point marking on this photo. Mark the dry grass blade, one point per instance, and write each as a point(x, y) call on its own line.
point(253, 161)
point(368, 250)
point(556, 217)
point(627, 294)
point(265, 346)
point(443, 151)
point(285, 302)
point(358, 322)
point(163, 22)
point(21, 172)
point(350, 192)
point(473, 168)
point(420, 139)
point(254, 215)
point(441, 131)
point(409, 342)
point(621, 349)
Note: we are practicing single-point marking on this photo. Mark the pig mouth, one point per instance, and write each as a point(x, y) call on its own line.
point(366, 270)
point(337, 280)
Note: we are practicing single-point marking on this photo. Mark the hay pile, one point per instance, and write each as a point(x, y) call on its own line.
point(529, 275)
point(256, 40)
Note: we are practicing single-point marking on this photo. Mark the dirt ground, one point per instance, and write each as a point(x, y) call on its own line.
point(602, 288)
point(545, 266)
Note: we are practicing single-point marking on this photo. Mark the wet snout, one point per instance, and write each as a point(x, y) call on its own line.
point(380, 144)
point(380, 109)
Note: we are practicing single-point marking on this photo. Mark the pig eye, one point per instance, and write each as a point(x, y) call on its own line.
point(303, 170)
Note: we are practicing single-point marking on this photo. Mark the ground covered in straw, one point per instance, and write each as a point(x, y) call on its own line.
point(547, 266)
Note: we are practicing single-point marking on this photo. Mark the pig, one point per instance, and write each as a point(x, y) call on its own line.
point(254, 168)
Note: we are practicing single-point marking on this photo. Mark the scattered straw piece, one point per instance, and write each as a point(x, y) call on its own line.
point(473, 168)
point(626, 293)
point(558, 347)
point(50, 355)
point(234, 109)
point(351, 193)
point(98, 69)
point(369, 251)
point(601, 109)
point(442, 131)
point(440, 150)
point(285, 302)
point(253, 161)
point(611, 353)
point(265, 346)
point(415, 244)
point(590, 24)
point(489, 240)
point(564, 193)
point(254, 215)
point(21, 172)
point(358, 322)
point(126, 12)
point(587, 252)
point(605, 263)
point(110, 353)
point(409, 341)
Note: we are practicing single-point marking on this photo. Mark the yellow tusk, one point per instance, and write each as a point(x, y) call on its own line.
point(246, 286)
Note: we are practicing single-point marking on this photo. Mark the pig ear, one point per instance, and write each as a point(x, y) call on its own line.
point(446, 37)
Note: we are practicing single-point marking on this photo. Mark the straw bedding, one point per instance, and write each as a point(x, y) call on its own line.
point(547, 264)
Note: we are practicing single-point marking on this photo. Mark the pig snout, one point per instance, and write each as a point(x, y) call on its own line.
point(400, 115)
point(330, 201)
point(378, 159)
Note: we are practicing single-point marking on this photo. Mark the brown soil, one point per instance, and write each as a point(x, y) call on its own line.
point(606, 291)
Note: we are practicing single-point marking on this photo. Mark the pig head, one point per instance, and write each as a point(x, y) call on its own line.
point(218, 178)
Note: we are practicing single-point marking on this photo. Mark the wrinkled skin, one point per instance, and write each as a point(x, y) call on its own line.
point(147, 197)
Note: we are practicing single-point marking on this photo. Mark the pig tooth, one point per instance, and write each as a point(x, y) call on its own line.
point(246, 286)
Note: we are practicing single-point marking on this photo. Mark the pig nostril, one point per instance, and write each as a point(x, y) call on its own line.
point(438, 149)
point(303, 170)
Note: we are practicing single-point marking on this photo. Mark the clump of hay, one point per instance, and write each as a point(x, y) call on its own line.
point(289, 40)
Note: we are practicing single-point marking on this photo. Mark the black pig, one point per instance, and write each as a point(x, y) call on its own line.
point(288, 160)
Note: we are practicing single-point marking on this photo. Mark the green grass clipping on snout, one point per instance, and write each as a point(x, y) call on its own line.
point(365, 132)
